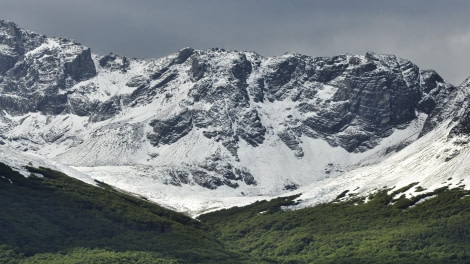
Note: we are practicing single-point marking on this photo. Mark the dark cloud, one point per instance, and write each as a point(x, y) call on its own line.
point(433, 34)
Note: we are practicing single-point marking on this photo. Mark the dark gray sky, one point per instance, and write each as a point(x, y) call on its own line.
point(433, 34)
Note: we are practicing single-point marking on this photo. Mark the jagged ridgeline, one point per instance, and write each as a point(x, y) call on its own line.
point(222, 127)
point(195, 116)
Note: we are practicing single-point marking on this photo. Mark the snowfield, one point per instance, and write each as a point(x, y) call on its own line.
point(334, 171)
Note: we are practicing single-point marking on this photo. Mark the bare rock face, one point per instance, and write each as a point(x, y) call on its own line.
point(461, 114)
point(81, 67)
point(14, 42)
point(114, 62)
point(169, 131)
point(356, 99)
point(38, 71)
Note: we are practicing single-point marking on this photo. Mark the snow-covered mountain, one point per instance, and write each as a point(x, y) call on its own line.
point(204, 129)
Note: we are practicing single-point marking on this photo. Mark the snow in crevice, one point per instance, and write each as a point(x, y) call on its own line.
point(109, 83)
point(7, 50)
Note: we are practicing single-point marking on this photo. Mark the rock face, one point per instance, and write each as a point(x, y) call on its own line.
point(461, 114)
point(171, 130)
point(197, 116)
point(37, 72)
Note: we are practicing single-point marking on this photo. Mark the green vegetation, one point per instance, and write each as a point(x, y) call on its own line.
point(57, 219)
point(52, 218)
point(383, 230)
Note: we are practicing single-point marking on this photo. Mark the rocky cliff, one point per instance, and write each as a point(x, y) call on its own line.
point(214, 117)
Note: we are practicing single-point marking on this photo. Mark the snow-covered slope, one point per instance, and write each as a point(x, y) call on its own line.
point(19, 160)
point(437, 159)
point(205, 129)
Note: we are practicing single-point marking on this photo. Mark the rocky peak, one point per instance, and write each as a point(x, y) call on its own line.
point(115, 62)
point(37, 71)
point(13, 44)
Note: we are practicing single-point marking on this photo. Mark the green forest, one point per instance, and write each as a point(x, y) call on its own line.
point(52, 218)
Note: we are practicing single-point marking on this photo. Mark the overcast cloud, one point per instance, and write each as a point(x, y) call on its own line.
point(433, 34)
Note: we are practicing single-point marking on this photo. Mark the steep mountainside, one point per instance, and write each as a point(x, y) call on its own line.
point(202, 129)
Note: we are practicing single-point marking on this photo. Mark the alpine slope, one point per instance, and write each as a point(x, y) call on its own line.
point(200, 130)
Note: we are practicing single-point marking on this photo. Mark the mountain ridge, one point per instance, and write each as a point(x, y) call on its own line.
point(226, 125)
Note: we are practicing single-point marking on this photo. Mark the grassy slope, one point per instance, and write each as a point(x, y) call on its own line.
point(383, 230)
point(57, 219)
